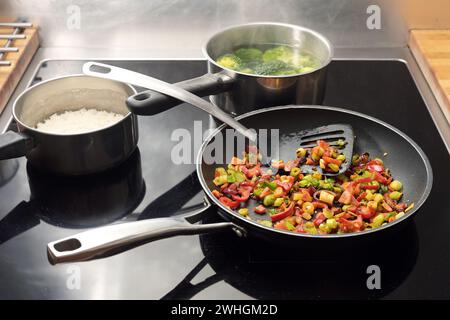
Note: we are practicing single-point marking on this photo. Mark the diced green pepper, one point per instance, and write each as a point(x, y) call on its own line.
point(332, 223)
point(301, 152)
point(231, 178)
point(218, 181)
point(395, 195)
point(257, 191)
point(266, 223)
point(289, 225)
point(304, 183)
point(243, 212)
point(278, 202)
point(295, 172)
point(272, 185)
point(341, 143)
point(269, 200)
point(377, 221)
point(333, 167)
point(220, 171)
point(396, 185)
point(240, 177)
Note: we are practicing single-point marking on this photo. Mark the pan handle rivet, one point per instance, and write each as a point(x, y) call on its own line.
point(240, 233)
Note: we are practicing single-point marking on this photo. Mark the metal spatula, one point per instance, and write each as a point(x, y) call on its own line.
point(331, 134)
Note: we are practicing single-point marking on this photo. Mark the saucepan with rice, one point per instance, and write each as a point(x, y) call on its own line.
point(72, 125)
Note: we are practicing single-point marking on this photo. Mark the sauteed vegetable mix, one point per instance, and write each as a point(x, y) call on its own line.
point(365, 197)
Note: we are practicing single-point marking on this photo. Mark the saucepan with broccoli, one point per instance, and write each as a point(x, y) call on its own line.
point(254, 66)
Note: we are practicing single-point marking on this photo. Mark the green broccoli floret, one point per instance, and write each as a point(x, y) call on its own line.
point(282, 53)
point(249, 54)
point(229, 61)
point(274, 67)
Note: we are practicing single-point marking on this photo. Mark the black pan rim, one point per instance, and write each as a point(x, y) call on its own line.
point(412, 212)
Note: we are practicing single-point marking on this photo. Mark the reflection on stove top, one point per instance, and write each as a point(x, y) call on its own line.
point(265, 270)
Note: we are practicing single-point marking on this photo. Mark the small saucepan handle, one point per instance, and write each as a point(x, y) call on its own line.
point(14, 145)
point(104, 241)
point(150, 102)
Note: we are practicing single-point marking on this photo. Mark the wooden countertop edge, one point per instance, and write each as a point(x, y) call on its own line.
point(19, 66)
point(435, 86)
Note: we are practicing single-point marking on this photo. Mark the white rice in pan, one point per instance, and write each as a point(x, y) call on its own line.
point(78, 121)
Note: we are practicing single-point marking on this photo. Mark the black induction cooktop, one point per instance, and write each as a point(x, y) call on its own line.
point(36, 209)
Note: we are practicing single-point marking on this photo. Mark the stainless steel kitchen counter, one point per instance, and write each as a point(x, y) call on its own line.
point(400, 53)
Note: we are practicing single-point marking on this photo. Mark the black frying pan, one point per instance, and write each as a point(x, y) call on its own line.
point(404, 157)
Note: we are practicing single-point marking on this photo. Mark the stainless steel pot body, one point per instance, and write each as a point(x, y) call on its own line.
point(238, 92)
point(71, 154)
point(250, 92)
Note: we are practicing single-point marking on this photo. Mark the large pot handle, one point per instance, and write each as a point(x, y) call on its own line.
point(150, 102)
point(14, 145)
point(100, 242)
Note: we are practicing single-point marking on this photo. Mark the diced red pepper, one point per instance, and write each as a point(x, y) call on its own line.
point(247, 184)
point(286, 185)
point(380, 178)
point(361, 196)
point(319, 219)
point(366, 212)
point(229, 203)
point(299, 229)
point(352, 209)
point(386, 207)
point(375, 161)
point(244, 194)
point(351, 226)
point(369, 187)
point(375, 168)
point(281, 225)
point(362, 180)
point(286, 213)
point(253, 171)
point(323, 144)
point(332, 160)
point(346, 197)
point(266, 191)
point(260, 209)
point(278, 193)
point(230, 189)
point(320, 205)
point(217, 194)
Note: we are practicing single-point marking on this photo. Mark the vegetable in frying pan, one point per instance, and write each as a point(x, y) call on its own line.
point(365, 197)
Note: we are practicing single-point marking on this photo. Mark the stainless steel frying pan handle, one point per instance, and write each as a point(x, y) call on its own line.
point(101, 241)
point(118, 74)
